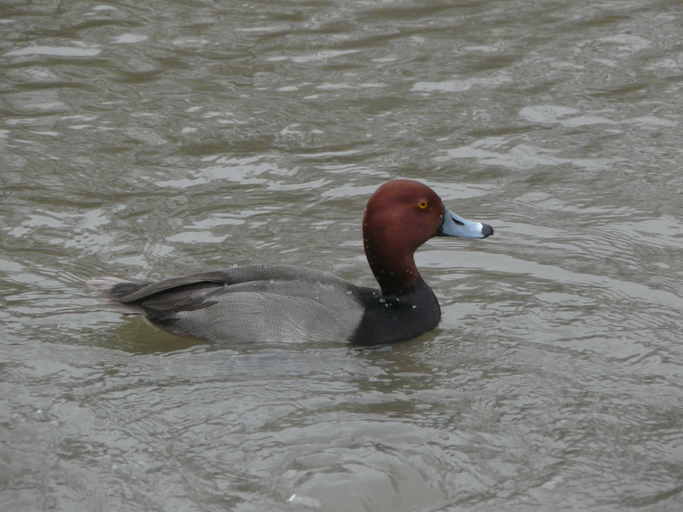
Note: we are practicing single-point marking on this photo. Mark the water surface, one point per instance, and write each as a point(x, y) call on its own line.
point(152, 139)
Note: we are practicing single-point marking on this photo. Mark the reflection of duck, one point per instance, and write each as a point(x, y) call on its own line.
point(274, 303)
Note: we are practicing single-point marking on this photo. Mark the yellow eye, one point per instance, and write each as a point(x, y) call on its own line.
point(422, 205)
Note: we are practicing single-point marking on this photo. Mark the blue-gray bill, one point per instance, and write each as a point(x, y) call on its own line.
point(454, 225)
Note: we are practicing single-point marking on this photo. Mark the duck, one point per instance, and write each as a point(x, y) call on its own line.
point(273, 303)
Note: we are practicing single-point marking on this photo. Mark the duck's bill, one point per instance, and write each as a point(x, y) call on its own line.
point(454, 225)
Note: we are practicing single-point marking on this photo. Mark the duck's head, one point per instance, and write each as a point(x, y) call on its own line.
point(400, 216)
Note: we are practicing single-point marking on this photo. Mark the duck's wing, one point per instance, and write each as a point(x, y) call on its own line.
point(132, 292)
point(194, 291)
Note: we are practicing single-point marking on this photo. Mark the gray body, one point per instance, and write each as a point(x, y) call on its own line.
point(246, 304)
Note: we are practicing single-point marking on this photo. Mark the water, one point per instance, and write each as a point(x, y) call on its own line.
point(151, 139)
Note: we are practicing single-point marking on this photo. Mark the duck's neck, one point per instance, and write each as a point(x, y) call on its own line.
point(393, 266)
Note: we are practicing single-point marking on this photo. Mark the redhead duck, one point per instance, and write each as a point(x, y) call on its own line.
point(274, 303)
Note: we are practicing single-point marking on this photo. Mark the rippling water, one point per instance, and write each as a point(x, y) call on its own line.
point(151, 139)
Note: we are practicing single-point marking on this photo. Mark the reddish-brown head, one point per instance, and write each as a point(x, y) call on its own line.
point(400, 216)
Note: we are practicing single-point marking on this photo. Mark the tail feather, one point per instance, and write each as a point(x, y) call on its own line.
point(124, 288)
point(113, 289)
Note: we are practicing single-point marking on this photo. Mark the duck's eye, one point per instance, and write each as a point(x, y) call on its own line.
point(423, 205)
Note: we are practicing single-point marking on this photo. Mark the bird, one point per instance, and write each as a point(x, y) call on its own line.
point(273, 303)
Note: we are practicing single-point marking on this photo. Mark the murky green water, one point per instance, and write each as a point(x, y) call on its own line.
point(151, 139)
